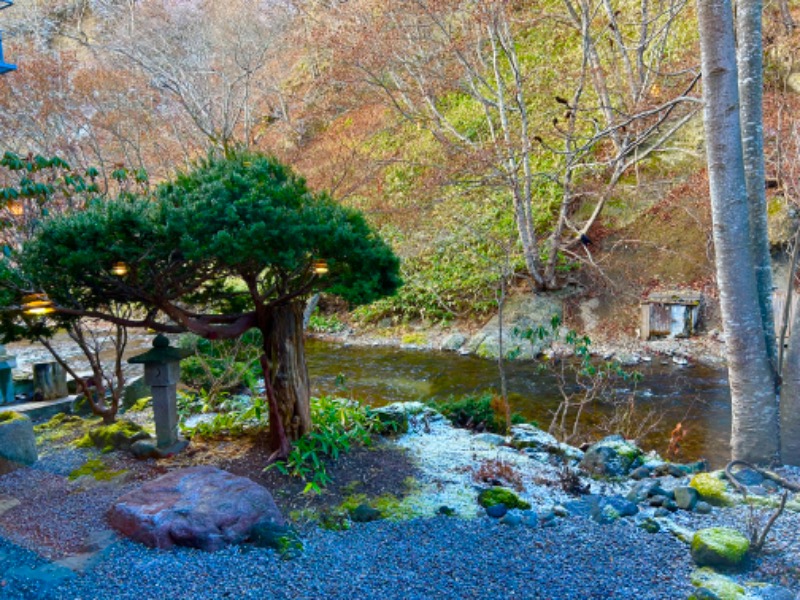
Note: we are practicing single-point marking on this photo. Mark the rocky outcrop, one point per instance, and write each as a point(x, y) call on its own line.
point(200, 507)
point(520, 315)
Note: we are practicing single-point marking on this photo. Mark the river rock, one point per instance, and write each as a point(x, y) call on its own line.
point(453, 342)
point(686, 497)
point(17, 441)
point(643, 489)
point(511, 518)
point(534, 440)
point(364, 513)
point(719, 547)
point(490, 438)
point(520, 314)
point(200, 507)
point(703, 508)
point(640, 473)
point(611, 457)
point(496, 511)
point(602, 509)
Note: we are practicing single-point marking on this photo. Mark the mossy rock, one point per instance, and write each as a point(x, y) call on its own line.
point(612, 457)
point(711, 488)
point(499, 495)
point(96, 469)
point(719, 547)
point(713, 585)
point(116, 436)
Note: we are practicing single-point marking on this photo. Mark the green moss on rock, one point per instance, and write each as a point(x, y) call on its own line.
point(720, 586)
point(719, 547)
point(116, 436)
point(499, 495)
point(9, 415)
point(711, 489)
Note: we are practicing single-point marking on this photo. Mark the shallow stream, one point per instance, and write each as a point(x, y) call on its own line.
point(695, 395)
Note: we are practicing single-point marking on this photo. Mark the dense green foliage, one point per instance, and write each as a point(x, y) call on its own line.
point(219, 366)
point(238, 218)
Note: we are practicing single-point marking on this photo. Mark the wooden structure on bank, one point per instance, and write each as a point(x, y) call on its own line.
point(672, 314)
point(778, 308)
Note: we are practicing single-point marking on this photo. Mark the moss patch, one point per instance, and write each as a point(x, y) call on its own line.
point(499, 495)
point(9, 415)
point(390, 506)
point(58, 421)
point(61, 427)
point(711, 489)
point(141, 404)
point(116, 436)
point(722, 587)
point(97, 469)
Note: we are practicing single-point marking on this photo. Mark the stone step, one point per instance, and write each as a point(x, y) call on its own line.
point(44, 410)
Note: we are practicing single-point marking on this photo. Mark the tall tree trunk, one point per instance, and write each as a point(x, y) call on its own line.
point(754, 435)
point(288, 389)
point(751, 83)
point(790, 396)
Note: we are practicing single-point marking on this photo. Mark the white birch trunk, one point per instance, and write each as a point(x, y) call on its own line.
point(751, 83)
point(754, 435)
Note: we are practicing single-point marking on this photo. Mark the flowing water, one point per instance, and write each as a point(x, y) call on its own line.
point(695, 396)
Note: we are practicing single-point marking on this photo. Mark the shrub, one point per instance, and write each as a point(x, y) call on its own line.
point(221, 366)
point(338, 425)
point(481, 413)
point(233, 414)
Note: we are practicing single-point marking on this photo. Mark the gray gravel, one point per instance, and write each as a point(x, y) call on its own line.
point(424, 558)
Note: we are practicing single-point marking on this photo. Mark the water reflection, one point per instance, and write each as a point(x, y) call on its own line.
point(697, 396)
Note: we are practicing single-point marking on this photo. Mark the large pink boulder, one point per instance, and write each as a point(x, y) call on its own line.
point(200, 507)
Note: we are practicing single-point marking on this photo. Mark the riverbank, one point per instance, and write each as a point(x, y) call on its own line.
point(55, 542)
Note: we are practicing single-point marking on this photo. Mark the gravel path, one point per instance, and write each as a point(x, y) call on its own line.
point(438, 558)
point(49, 549)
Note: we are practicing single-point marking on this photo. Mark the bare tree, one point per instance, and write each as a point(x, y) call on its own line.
point(455, 69)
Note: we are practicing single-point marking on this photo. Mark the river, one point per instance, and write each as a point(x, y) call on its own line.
point(694, 395)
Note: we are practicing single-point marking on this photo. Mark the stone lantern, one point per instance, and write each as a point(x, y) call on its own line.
point(162, 372)
point(7, 362)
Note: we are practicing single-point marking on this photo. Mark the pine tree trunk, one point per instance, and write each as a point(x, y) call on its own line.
point(754, 435)
point(288, 388)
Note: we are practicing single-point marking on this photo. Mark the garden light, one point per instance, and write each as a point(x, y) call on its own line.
point(37, 304)
point(320, 267)
point(16, 208)
point(120, 269)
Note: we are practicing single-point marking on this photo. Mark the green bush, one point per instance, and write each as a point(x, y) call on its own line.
point(320, 323)
point(483, 412)
point(222, 366)
point(234, 414)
